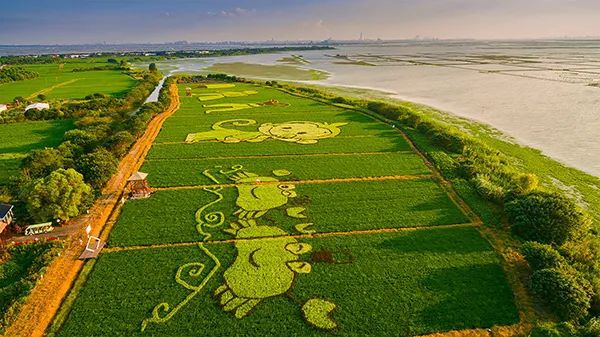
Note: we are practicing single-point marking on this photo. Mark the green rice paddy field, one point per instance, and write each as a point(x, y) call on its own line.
point(17, 140)
point(295, 220)
point(58, 81)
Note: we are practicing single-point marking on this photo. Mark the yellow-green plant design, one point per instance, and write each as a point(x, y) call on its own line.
point(226, 107)
point(257, 195)
point(317, 312)
point(267, 260)
point(262, 268)
point(163, 312)
point(219, 95)
point(300, 132)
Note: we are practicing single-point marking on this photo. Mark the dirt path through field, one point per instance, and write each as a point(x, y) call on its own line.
point(45, 299)
point(292, 236)
point(48, 89)
point(297, 182)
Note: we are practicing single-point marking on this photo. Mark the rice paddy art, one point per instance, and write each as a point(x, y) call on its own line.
point(227, 107)
point(220, 95)
point(263, 268)
point(300, 132)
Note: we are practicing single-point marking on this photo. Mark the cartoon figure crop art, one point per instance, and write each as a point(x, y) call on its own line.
point(268, 258)
point(299, 132)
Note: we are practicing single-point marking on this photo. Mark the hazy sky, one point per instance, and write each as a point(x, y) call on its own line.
point(120, 21)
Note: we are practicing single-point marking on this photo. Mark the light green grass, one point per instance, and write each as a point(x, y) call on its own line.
point(57, 83)
point(17, 140)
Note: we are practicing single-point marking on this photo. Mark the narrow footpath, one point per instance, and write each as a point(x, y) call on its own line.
point(45, 299)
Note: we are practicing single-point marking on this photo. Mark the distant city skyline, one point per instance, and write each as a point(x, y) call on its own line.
point(153, 21)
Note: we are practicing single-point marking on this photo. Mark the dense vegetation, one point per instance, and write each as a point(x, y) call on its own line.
point(20, 269)
point(11, 74)
point(566, 270)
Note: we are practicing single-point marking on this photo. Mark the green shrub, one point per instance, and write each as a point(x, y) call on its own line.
point(542, 256)
point(41, 162)
point(97, 167)
point(565, 292)
point(487, 188)
point(547, 218)
point(591, 329)
point(60, 195)
point(11, 74)
point(19, 274)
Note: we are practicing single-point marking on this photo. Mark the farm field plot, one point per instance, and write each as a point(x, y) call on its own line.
point(393, 284)
point(169, 216)
point(267, 220)
point(188, 172)
point(16, 140)
point(337, 145)
point(61, 82)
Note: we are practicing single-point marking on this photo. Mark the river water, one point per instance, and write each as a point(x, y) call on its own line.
point(541, 93)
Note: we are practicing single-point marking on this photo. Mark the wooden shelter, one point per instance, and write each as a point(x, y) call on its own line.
point(138, 186)
point(188, 92)
point(6, 216)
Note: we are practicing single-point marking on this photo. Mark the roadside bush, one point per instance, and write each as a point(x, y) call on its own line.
point(547, 218)
point(584, 256)
point(97, 167)
point(563, 329)
point(487, 189)
point(386, 110)
point(591, 329)
point(119, 143)
point(40, 163)
point(84, 139)
point(565, 292)
point(60, 195)
point(542, 256)
point(19, 273)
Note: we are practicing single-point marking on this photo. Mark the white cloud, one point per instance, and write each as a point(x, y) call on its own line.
point(237, 12)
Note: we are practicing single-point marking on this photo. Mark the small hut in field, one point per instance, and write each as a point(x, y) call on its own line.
point(138, 186)
point(188, 92)
point(6, 216)
point(38, 106)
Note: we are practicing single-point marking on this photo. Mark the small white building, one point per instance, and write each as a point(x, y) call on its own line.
point(3, 107)
point(39, 106)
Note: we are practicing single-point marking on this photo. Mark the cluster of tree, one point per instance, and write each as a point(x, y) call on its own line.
point(28, 59)
point(12, 74)
point(100, 68)
point(22, 267)
point(559, 243)
point(208, 78)
point(59, 183)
